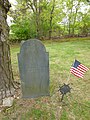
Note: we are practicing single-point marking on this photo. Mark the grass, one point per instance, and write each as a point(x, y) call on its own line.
point(76, 105)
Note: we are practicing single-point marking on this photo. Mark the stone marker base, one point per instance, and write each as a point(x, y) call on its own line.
point(7, 97)
point(8, 102)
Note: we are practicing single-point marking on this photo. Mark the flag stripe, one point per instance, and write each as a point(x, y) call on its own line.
point(75, 71)
point(78, 69)
point(84, 67)
point(76, 74)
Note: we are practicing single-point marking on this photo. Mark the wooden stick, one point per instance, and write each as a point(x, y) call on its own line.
point(68, 78)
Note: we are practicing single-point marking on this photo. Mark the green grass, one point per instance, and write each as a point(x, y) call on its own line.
point(76, 105)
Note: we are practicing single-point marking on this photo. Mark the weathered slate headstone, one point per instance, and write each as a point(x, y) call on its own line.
point(34, 69)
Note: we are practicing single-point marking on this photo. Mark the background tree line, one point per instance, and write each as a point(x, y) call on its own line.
point(46, 19)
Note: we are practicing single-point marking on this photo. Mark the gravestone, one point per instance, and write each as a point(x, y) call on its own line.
point(33, 63)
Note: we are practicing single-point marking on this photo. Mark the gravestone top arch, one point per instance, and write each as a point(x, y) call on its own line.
point(33, 61)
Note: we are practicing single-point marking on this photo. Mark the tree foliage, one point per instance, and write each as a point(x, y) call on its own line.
point(49, 18)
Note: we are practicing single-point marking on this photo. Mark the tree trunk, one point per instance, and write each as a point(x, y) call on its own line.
point(51, 19)
point(6, 75)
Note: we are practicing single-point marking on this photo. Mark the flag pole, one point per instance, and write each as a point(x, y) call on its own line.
point(69, 75)
point(68, 79)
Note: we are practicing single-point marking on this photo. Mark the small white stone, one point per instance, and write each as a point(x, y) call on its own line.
point(8, 101)
point(17, 97)
point(14, 96)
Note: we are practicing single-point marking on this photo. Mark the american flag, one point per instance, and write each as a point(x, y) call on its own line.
point(78, 69)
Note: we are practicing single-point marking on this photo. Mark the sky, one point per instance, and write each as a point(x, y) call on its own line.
point(13, 2)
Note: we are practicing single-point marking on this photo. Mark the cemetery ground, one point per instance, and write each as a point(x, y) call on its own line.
point(75, 105)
